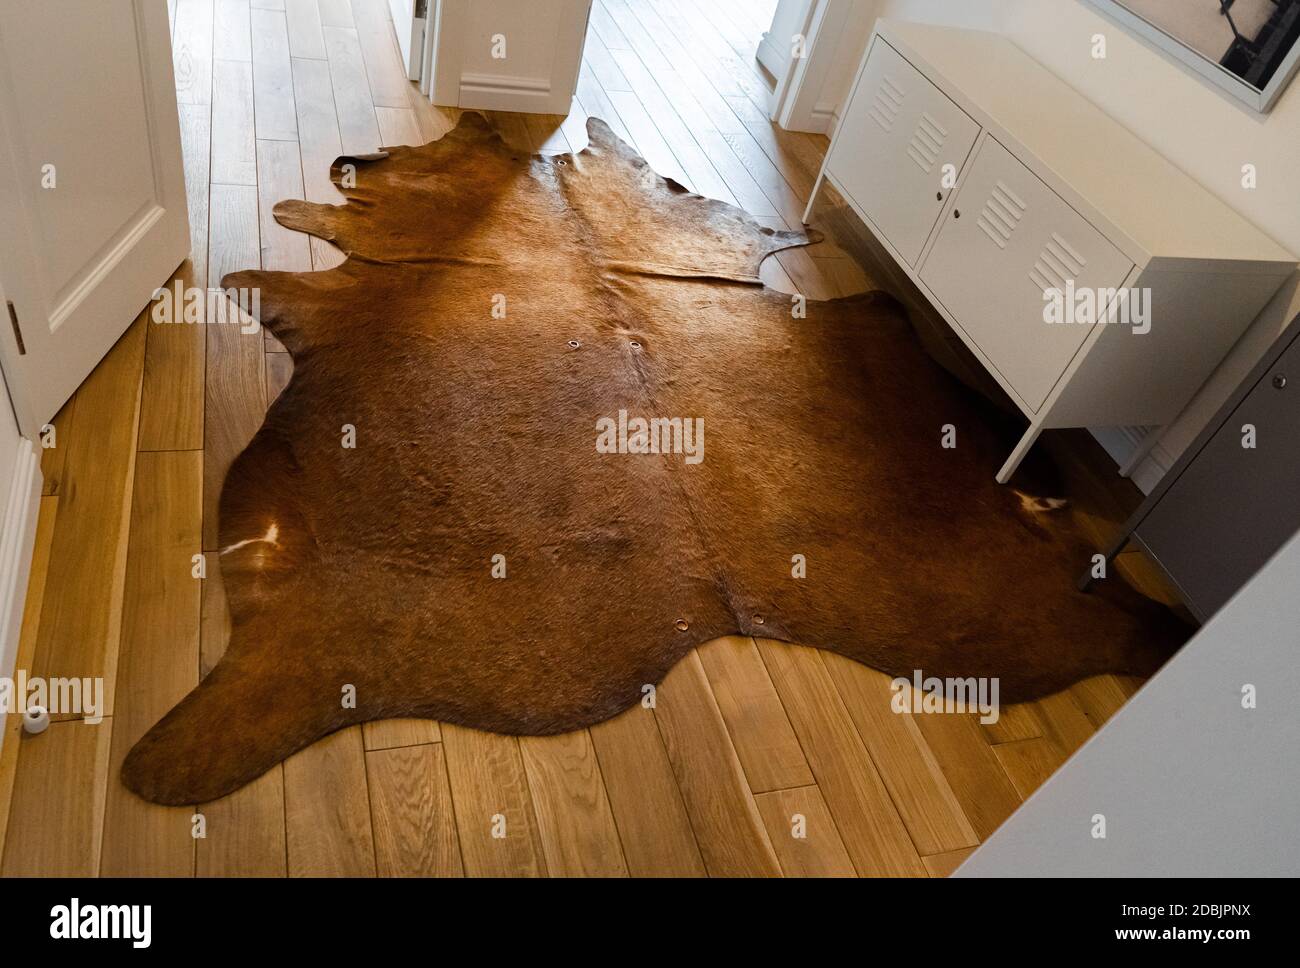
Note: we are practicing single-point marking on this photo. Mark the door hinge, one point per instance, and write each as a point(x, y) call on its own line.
point(18, 332)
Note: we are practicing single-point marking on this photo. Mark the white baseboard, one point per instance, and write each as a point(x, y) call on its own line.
point(1121, 442)
point(16, 541)
point(503, 92)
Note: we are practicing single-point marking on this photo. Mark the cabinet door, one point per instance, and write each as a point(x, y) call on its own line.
point(896, 137)
point(1234, 506)
point(1009, 241)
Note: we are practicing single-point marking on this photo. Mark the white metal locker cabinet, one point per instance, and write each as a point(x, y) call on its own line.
point(897, 134)
point(1008, 239)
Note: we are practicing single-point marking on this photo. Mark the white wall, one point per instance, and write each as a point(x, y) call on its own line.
point(1207, 134)
point(1190, 783)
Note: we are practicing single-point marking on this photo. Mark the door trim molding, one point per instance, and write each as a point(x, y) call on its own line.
point(17, 540)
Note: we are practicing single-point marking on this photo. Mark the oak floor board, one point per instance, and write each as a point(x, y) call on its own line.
point(196, 155)
point(766, 744)
point(383, 734)
point(728, 828)
point(13, 722)
point(234, 152)
point(653, 825)
point(276, 116)
point(55, 825)
point(1101, 697)
point(159, 661)
point(358, 129)
point(336, 13)
point(916, 784)
point(986, 795)
point(231, 35)
point(803, 833)
point(171, 394)
point(81, 611)
point(574, 821)
point(245, 831)
point(192, 51)
point(279, 370)
point(398, 126)
point(942, 865)
point(869, 823)
point(318, 140)
point(305, 36)
point(1028, 762)
point(53, 441)
point(389, 86)
point(410, 803)
point(1065, 724)
point(328, 831)
point(1017, 721)
point(494, 809)
point(234, 401)
point(279, 177)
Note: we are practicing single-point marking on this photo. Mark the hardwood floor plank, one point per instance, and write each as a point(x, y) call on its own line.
point(942, 865)
point(234, 154)
point(245, 835)
point(279, 177)
point(171, 395)
point(54, 826)
point(275, 113)
point(398, 126)
point(1101, 697)
point(327, 809)
point(597, 104)
point(214, 623)
point(231, 38)
point(336, 13)
point(81, 613)
point(803, 833)
point(653, 826)
point(318, 138)
point(1014, 722)
point(1028, 763)
point(386, 734)
point(305, 36)
point(54, 448)
point(916, 784)
point(603, 65)
point(646, 138)
point(607, 29)
point(159, 663)
point(192, 51)
point(490, 792)
point(13, 722)
point(415, 822)
point(574, 820)
point(728, 828)
point(868, 821)
point(196, 154)
point(760, 730)
point(986, 796)
point(358, 129)
point(279, 369)
point(1064, 723)
point(389, 86)
point(234, 400)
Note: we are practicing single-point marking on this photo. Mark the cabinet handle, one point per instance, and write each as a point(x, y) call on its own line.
point(1279, 381)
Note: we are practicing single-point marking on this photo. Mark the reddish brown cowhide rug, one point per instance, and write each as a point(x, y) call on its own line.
point(372, 567)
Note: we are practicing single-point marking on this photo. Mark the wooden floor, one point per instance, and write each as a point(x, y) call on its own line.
point(750, 742)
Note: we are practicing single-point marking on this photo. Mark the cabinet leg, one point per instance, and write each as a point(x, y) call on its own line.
point(1019, 453)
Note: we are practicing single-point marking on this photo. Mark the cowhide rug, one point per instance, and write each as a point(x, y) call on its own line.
point(474, 557)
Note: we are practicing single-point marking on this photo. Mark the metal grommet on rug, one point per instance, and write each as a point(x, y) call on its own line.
point(758, 620)
point(574, 343)
point(635, 345)
point(681, 625)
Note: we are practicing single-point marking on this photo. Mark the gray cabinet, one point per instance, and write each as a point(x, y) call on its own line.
point(1234, 497)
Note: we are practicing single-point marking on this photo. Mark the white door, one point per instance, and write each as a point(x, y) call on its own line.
point(890, 152)
point(92, 192)
point(507, 55)
point(409, 17)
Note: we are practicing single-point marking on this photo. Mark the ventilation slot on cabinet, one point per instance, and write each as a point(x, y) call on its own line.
point(927, 142)
point(889, 98)
point(1057, 264)
point(1002, 213)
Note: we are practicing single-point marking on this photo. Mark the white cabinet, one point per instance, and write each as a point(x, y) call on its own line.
point(1054, 203)
point(900, 132)
point(1009, 239)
